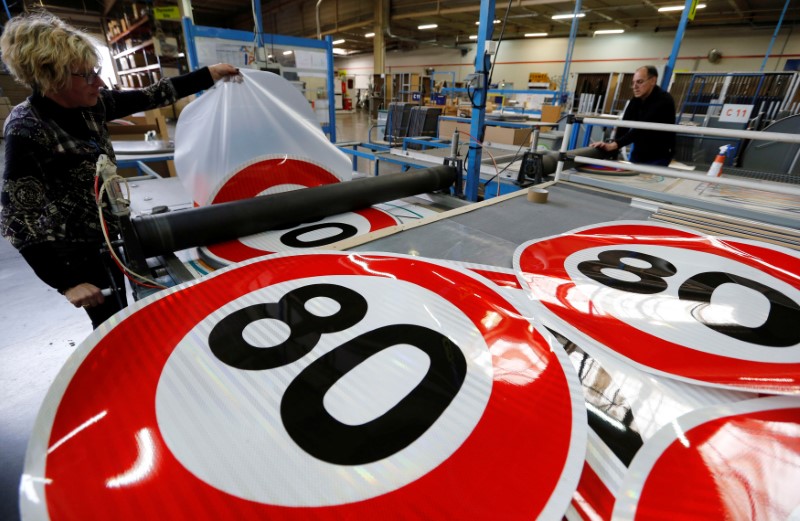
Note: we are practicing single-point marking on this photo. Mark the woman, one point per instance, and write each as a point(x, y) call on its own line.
point(53, 141)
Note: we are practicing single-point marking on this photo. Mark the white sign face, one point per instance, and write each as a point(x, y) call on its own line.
point(733, 113)
point(712, 310)
point(326, 386)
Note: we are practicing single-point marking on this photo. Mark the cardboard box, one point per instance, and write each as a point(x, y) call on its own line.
point(447, 127)
point(506, 135)
point(550, 114)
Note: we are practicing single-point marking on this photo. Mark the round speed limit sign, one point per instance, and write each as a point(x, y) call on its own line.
point(271, 175)
point(710, 310)
point(325, 386)
point(279, 175)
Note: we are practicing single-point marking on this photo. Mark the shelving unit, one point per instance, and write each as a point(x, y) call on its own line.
point(142, 51)
point(406, 84)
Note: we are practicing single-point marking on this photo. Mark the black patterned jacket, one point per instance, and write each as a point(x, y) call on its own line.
point(47, 196)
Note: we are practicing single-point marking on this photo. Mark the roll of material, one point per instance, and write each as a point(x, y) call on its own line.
point(537, 195)
point(550, 159)
point(164, 233)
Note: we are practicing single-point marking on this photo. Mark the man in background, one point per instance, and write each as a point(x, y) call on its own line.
point(653, 105)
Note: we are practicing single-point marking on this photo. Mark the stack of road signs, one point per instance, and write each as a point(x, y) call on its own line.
point(666, 320)
point(423, 121)
point(260, 390)
point(397, 121)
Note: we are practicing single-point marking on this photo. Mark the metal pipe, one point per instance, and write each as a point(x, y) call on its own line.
point(573, 32)
point(671, 172)
point(568, 129)
point(684, 129)
point(774, 36)
point(319, 29)
point(158, 234)
point(676, 46)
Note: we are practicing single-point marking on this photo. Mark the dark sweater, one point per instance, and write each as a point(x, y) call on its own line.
point(649, 145)
point(48, 205)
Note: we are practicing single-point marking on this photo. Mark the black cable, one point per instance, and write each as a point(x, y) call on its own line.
point(499, 41)
point(516, 156)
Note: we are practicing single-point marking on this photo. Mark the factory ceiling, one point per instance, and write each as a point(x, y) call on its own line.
point(455, 20)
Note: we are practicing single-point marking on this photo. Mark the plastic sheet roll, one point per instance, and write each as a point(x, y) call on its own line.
point(234, 125)
point(163, 233)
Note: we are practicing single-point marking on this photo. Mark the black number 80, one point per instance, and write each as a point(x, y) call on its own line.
point(779, 330)
point(302, 411)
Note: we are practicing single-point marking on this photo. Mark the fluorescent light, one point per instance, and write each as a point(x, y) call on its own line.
point(677, 8)
point(567, 16)
point(427, 26)
point(610, 31)
point(494, 22)
point(337, 42)
point(369, 35)
point(339, 50)
point(473, 36)
point(287, 53)
point(534, 35)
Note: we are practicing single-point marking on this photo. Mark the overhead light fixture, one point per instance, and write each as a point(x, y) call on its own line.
point(610, 31)
point(534, 35)
point(337, 42)
point(287, 53)
point(369, 35)
point(494, 22)
point(339, 50)
point(427, 26)
point(473, 36)
point(567, 16)
point(669, 8)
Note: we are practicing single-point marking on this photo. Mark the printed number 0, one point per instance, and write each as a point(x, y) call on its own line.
point(302, 411)
point(777, 331)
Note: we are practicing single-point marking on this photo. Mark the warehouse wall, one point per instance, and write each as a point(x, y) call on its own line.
point(610, 53)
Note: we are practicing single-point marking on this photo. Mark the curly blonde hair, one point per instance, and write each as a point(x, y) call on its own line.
point(42, 51)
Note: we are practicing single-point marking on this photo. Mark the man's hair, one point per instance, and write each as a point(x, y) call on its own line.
point(652, 72)
point(41, 51)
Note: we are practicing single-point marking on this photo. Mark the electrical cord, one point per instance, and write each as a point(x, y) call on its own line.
point(496, 168)
point(129, 273)
point(516, 156)
point(499, 41)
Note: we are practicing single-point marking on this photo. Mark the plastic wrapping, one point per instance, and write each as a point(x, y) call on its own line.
point(236, 134)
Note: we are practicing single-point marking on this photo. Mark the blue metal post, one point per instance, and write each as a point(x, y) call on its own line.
point(331, 92)
point(191, 49)
point(774, 36)
point(573, 32)
point(676, 45)
point(482, 67)
point(8, 13)
point(259, 43)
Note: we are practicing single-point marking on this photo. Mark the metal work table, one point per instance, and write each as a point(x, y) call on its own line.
point(491, 233)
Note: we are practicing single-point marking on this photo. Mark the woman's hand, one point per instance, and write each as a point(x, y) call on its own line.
point(222, 70)
point(84, 295)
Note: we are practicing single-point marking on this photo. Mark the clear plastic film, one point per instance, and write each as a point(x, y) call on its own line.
point(240, 139)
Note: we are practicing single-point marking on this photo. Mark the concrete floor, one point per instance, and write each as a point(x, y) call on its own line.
point(40, 329)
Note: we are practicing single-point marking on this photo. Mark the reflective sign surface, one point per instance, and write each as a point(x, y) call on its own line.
point(716, 311)
point(739, 461)
point(322, 386)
